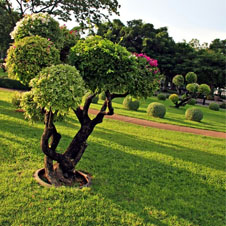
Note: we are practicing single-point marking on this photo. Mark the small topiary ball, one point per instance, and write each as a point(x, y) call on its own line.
point(194, 114)
point(192, 101)
point(174, 98)
point(27, 57)
point(214, 107)
point(191, 77)
point(131, 104)
point(156, 109)
point(161, 96)
point(102, 96)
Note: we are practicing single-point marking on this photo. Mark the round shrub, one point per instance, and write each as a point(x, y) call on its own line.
point(192, 101)
point(192, 87)
point(58, 87)
point(156, 109)
point(16, 99)
point(41, 24)
point(28, 56)
point(102, 96)
point(204, 89)
point(214, 106)
point(174, 98)
point(194, 114)
point(178, 80)
point(131, 104)
point(161, 96)
point(191, 77)
point(94, 100)
point(223, 105)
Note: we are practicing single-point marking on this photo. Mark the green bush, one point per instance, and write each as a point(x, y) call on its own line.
point(192, 101)
point(174, 98)
point(131, 104)
point(156, 109)
point(192, 87)
point(191, 77)
point(16, 99)
point(214, 106)
point(223, 105)
point(194, 114)
point(178, 80)
point(102, 96)
point(12, 84)
point(41, 24)
point(27, 57)
point(204, 89)
point(161, 96)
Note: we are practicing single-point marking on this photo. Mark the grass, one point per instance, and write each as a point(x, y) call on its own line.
point(141, 176)
point(212, 120)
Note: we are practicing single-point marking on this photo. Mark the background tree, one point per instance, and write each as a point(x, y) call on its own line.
point(84, 12)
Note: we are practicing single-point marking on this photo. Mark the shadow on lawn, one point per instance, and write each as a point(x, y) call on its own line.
point(142, 185)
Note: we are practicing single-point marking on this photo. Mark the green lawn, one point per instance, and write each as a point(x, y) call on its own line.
point(141, 176)
point(212, 120)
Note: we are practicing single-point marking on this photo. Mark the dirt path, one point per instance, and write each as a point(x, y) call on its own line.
point(158, 125)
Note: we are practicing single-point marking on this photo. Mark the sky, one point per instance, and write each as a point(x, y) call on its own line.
point(185, 19)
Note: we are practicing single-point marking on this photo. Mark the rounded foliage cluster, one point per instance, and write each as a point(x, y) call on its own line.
point(41, 24)
point(191, 77)
point(194, 114)
point(58, 88)
point(192, 87)
point(156, 109)
point(192, 101)
point(28, 56)
point(102, 96)
point(174, 98)
point(16, 99)
point(131, 104)
point(204, 89)
point(161, 96)
point(214, 106)
point(178, 80)
point(223, 105)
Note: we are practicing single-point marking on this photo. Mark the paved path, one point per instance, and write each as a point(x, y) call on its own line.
point(164, 126)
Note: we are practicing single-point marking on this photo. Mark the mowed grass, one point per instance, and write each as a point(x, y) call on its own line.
point(141, 176)
point(212, 120)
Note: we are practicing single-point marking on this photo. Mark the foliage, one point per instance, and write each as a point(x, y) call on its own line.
point(178, 80)
point(223, 105)
point(191, 77)
point(16, 99)
point(214, 106)
point(174, 98)
point(95, 10)
point(102, 96)
point(194, 114)
point(12, 84)
point(94, 100)
point(161, 96)
point(108, 66)
point(192, 101)
point(192, 87)
point(131, 104)
point(28, 56)
point(41, 24)
point(204, 89)
point(156, 109)
point(58, 88)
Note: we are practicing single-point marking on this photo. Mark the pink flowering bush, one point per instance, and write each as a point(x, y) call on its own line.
point(152, 62)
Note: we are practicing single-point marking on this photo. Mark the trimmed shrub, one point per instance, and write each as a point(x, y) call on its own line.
point(194, 114)
point(12, 84)
point(192, 101)
point(156, 109)
point(161, 96)
point(131, 104)
point(27, 57)
point(204, 89)
point(223, 105)
point(178, 80)
point(191, 77)
point(174, 98)
point(214, 106)
point(102, 96)
point(192, 87)
point(16, 99)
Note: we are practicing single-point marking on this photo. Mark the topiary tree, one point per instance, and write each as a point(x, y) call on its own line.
point(194, 114)
point(193, 90)
point(156, 109)
point(178, 81)
point(104, 67)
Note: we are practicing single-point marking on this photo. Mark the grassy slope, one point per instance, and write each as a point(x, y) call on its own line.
point(212, 120)
point(141, 176)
